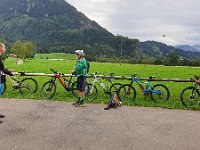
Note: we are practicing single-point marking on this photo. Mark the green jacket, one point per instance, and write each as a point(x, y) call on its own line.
point(81, 67)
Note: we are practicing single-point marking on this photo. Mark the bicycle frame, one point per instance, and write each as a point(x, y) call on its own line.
point(15, 83)
point(146, 91)
point(101, 84)
point(197, 82)
point(61, 79)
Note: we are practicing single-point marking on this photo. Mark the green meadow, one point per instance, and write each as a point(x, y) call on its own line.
point(64, 63)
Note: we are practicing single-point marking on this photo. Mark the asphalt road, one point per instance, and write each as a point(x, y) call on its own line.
point(47, 125)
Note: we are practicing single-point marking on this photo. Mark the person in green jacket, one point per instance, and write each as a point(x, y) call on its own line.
point(80, 71)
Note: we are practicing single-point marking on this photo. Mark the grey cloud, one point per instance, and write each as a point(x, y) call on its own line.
point(146, 19)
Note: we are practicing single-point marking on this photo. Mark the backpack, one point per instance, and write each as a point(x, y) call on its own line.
point(113, 102)
point(88, 66)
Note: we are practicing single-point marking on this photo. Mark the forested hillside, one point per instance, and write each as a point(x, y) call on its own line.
point(56, 26)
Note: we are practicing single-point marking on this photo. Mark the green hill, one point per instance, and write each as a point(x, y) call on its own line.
point(57, 26)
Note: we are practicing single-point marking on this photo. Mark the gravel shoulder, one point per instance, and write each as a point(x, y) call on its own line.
point(50, 125)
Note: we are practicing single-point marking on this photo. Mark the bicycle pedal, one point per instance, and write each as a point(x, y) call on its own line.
point(68, 89)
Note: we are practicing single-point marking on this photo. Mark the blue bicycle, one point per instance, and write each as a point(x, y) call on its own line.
point(158, 92)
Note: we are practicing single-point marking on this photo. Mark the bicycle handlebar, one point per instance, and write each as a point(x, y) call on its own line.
point(95, 74)
point(195, 78)
point(53, 70)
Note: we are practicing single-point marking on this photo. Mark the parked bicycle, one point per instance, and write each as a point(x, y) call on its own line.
point(190, 96)
point(92, 93)
point(25, 86)
point(49, 88)
point(158, 92)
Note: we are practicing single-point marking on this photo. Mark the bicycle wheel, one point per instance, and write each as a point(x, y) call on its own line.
point(28, 86)
point(160, 93)
point(91, 92)
point(114, 87)
point(74, 89)
point(48, 89)
point(190, 96)
point(126, 93)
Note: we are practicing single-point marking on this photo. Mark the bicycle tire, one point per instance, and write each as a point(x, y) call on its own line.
point(48, 89)
point(114, 87)
point(126, 93)
point(91, 93)
point(28, 86)
point(74, 89)
point(188, 96)
point(160, 93)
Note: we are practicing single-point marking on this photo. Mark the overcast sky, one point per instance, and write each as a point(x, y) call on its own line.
point(170, 21)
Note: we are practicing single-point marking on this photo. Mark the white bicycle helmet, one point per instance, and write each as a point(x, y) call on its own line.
point(79, 52)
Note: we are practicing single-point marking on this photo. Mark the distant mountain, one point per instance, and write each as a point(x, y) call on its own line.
point(197, 47)
point(57, 26)
point(159, 49)
point(189, 48)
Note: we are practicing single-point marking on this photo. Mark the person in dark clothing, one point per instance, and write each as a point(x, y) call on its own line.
point(3, 70)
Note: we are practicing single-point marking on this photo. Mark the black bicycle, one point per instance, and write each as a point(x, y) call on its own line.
point(190, 96)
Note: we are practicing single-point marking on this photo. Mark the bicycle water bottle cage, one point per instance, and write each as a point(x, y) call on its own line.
point(22, 73)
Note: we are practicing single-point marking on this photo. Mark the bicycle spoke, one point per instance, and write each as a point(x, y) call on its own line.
point(126, 93)
point(160, 93)
point(48, 90)
point(27, 86)
point(190, 97)
point(91, 92)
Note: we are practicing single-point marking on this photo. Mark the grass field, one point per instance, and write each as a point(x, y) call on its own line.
point(66, 66)
point(55, 56)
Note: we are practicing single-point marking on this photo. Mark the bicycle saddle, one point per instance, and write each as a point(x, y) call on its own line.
point(22, 73)
point(151, 77)
point(94, 73)
point(134, 75)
